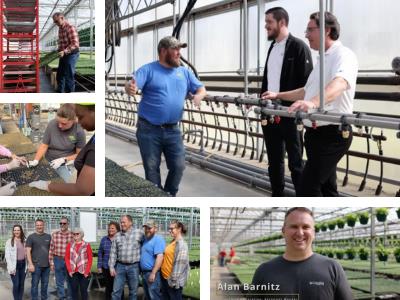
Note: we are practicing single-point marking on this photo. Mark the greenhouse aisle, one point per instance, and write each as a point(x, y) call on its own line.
point(45, 85)
point(221, 275)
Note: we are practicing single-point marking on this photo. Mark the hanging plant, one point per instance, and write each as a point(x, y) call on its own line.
point(398, 213)
point(340, 253)
point(332, 225)
point(330, 252)
point(363, 253)
point(351, 253)
point(363, 217)
point(317, 227)
point(396, 253)
point(381, 214)
point(340, 223)
point(383, 254)
point(324, 227)
point(351, 220)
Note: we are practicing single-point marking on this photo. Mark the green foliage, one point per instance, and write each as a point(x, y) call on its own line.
point(363, 217)
point(382, 253)
point(381, 214)
point(332, 225)
point(317, 227)
point(340, 222)
point(363, 253)
point(192, 287)
point(351, 220)
point(324, 226)
point(351, 253)
point(396, 253)
point(339, 253)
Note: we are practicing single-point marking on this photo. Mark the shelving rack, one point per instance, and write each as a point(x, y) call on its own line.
point(19, 50)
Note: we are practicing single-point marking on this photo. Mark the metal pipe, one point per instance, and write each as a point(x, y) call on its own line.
point(372, 260)
point(149, 7)
point(246, 47)
point(321, 56)
point(91, 28)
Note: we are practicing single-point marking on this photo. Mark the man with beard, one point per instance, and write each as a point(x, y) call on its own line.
point(165, 85)
point(151, 258)
point(300, 272)
point(287, 67)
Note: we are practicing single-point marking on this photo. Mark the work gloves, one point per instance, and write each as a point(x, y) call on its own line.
point(33, 163)
point(40, 184)
point(56, 163)
point(8, 189)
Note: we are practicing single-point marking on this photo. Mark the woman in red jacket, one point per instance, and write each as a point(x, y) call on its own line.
point(78, 260)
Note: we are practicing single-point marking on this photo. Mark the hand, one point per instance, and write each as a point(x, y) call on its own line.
point(112, 273)
point(40, 184)
point(31, 268)
point(70, 274)
point(130, 87)
point(52, 267)
point(99, 270)
point(302, 106)
point(13, 272)
point(269, 95)
point(33, 163)
point(56, 163)
point(196, 99)
point(23, 161)
point(15, 163)
point(61, 53)
point(152, 277)
point(86, 275)
point(8, 189)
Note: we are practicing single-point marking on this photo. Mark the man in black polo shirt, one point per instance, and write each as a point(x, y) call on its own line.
point(287, 67)
point(300, 273)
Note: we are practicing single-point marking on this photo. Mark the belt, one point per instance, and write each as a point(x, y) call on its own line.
point(165, 125)
point(59, 256)
point(126, 264)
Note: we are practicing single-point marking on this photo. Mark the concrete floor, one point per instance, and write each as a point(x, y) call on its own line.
point(45, 86)
point(221, 275)
point(196, 182)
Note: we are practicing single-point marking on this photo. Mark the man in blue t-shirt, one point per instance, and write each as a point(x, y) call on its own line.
point(165, 85)
point(151, 258)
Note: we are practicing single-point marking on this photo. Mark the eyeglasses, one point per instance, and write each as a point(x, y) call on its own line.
point(171, 228)
point(61, 223)
point(76, 233)
point(310, 29)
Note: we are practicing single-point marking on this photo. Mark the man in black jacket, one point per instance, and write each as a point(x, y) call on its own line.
point(287, 67)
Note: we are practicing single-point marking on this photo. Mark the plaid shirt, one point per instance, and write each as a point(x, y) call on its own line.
point(180, 272)
point(58, 244)
point(125, 247)
point(68, 38)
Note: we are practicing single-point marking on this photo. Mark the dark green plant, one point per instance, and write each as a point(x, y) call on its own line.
point(396, 253)
point(381, 214)
point(351, 253)
point(398, 212)
point(330, 252)
point(363, 217)
point(317, 227)
point(339, 253)
point(382, 253)
point(340, 222)
point(324, 227)
point(351, 220)
point(363, 253)
point(332, 225)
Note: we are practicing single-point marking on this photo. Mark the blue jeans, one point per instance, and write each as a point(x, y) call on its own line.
point(155, 140)
point(79, 283)
point(61, 275)
point(41, 274)
point(170, 293)
point(18, 280)
point(66, 73)
point(126, 272)
point(152, 289)
point(66, 172)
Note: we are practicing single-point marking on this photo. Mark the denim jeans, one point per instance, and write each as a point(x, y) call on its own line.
point(18, 280)
point(66, 73)
point(126, 272)
point(61, 276)
point(170, 293)
point(41, 274)
point(79, 283)
point(66, 172)
point(155, 140)
point(152, 289)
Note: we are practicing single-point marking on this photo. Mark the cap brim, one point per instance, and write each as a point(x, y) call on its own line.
point(183, 45)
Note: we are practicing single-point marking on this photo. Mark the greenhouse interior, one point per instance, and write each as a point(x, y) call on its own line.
point(223, 138)
point(22, 128)
point(364, 241)
point(30, 41)
point(78, 217)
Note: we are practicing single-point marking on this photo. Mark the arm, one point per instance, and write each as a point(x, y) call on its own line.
point(51, 253)
point(90, 260)
point(113, 257)
point(200, 94)
point(288, 96)
point(180, 263)
point(156, 268)
point(31, 267)
point(7, 256)
point(84, 186)
point(100, 256)
point(74, 39)
point(41, 151)
point(67, 258)
point(73, 156)
point(5, 152)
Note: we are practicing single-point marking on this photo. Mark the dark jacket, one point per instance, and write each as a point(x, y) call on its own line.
point(296, 67)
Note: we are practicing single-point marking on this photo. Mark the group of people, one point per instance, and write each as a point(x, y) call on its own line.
point(123, 255)
point(65, 148)
point(222, 255)
point(289, 76)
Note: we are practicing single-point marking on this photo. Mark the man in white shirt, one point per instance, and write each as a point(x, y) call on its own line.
point(325, 145)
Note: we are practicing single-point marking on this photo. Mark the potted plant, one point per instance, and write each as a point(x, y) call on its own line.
point(363, 253)
point(398, 212)
point(317, 227)
point(351, 253)
point(363, 217)
point(332, 225)
point(383, 254)
point(324, 227)
point(381, 214)
point(330, 252)
point(340, 253)
point(340, 223)
point(351, 220)
point(396, 253)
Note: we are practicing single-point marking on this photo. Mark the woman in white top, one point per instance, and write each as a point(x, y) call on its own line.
point(15, 259)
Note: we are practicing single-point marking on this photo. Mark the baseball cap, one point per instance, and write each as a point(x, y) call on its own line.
point(170, 42)
point(150, 224)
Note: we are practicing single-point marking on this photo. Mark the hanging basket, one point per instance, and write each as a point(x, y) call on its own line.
point(381, 217)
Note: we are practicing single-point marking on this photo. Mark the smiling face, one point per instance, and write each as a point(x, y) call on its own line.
point(63, 225)
point(39, 226)
point(86, 117)
point(126, 224)
point(149, 232)
point(299, 234)
point(17, 232)
point(112, 230)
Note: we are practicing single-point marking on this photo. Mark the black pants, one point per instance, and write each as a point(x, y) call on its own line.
point(79, 283)
point(281, 138)
point(325, 146)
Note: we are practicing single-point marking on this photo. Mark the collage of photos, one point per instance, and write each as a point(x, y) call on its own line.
point(204, 110)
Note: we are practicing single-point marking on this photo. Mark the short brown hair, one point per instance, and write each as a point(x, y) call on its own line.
point(302, 209)
point(330, 22)
point(67, 111)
